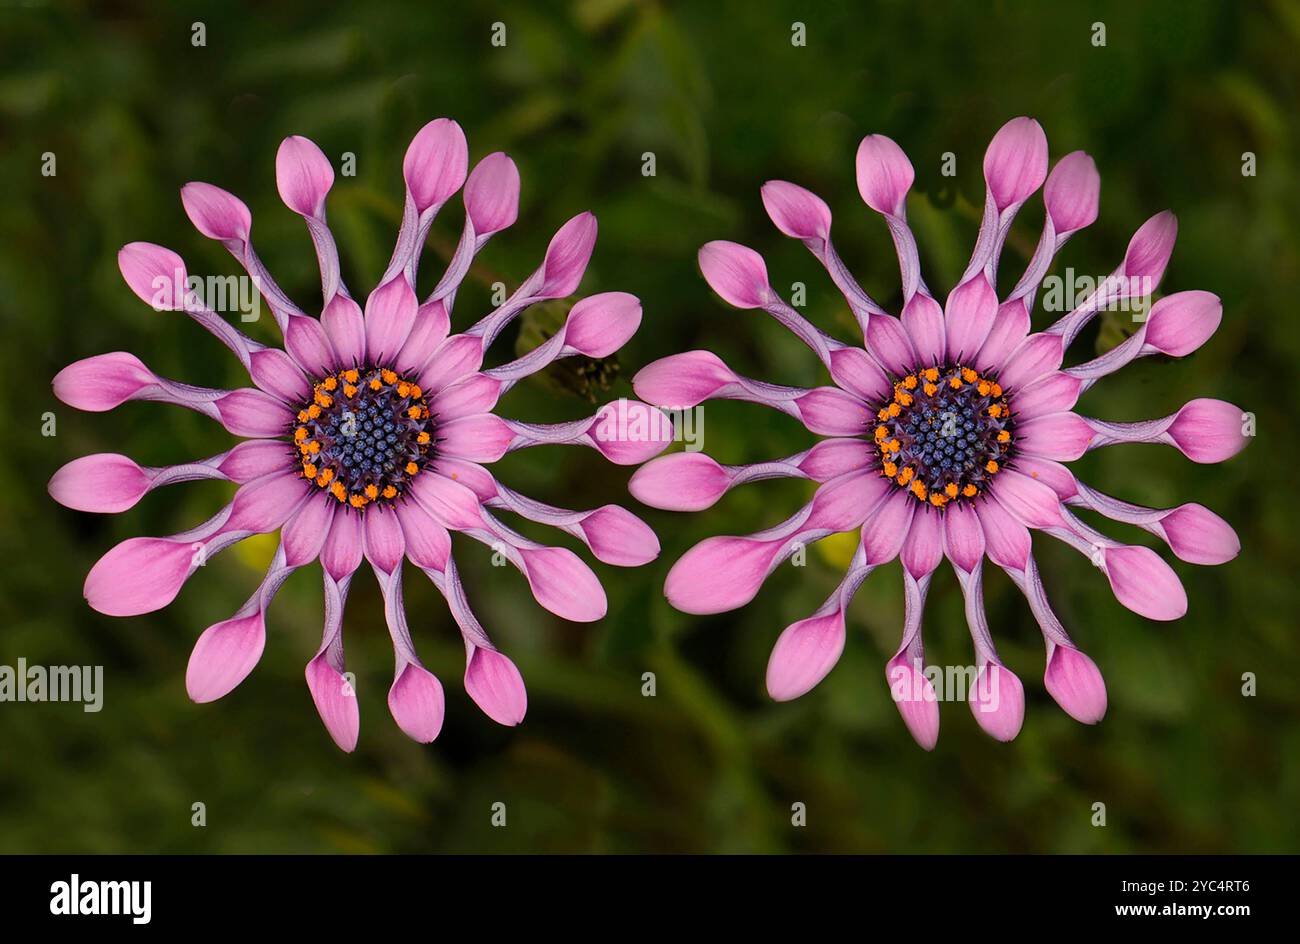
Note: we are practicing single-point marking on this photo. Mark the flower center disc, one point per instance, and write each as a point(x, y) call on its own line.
point(945, 434)
point(365, 434)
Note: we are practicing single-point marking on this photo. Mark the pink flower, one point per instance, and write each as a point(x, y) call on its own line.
point(948, 429)
point(368, 436)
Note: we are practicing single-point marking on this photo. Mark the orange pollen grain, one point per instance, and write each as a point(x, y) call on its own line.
point(890, 469)
point(390, 491)
point(422, 439)
point(329, 383)
point(932, 373)
point(372, 492)
point(389, 376)
point(375, 383)
point(910, 382)
point(351, 376)
point(951, 489)
point(412, 468)
point(991, 465)
point(969, 491)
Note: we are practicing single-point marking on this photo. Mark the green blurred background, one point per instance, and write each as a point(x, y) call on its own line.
point(580, 92)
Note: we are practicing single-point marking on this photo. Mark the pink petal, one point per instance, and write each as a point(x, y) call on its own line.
point(970, 311)
point(1199, 536)
point(1073, 193)
point(1015, 163)
point(458, 356)
point(567, 257)
point(833, 457)
point(477, 393)
point(884, 174)
point(469, 474)
point(492, 194)
point(266, 504)
point(963, 538)
point(428, 544)
point(915, 698)
point(1150, 248)
point(106, 482)
point(1037, 356)
point(883, 535)
point(384, 543)
point(628, 432)
point(844, 503)
point(1010, 327)
point(102, 382)
point(215, 213)
point(435, 163)
point(1076, 683)
point(682, 380)
point(256, 458)
point(390, 313)
point(303, 175)
point(998, 702)
point(1032, 503)
point(923, 321)
point(735, 272)
point(829, 411)
point(223, 657)
point(887, 340)
point(341, 555)
point(719, 574)
point(618, 537)
point(1055, 393)
point(253, 413)
point(923, 549)
point(1052, 474)
point(1006, 540)
point(804, 655)
point(427, 333)
point(156, 275)
point(795, 211)
point(307, 343)
point(345, 327)
point(1209, 430)
point(601, 324)
point(416, 702)
point(496, 686)
point(335, 701)
point(563, 584)
point(855, 372)
point(304, 534)
point(481, 437)
point(140, 575)
point(451, 504)
point(1063, 436)
point(1144, 583)
point(683, 481)
point(276, 373)
point(1178, 324)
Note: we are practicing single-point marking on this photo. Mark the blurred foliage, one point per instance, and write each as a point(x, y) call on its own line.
point(579, 94)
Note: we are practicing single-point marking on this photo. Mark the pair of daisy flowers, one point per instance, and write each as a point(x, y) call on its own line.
point(367, 437)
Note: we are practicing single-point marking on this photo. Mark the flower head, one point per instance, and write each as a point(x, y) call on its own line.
point(947, 433)
point(367, 436)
